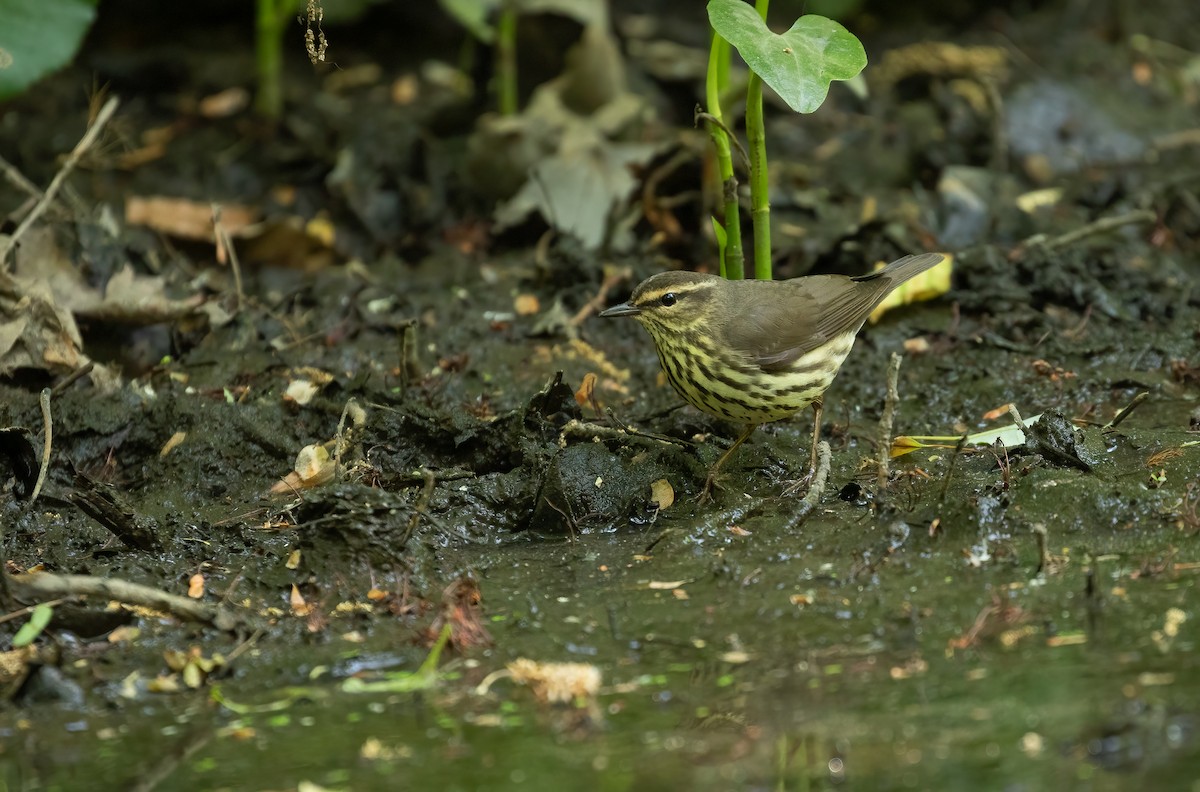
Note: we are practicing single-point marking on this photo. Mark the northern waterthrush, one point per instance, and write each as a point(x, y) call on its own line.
point(756, 351)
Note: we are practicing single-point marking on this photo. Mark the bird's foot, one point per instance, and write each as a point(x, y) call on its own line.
point(706, 492)
point(796, 486)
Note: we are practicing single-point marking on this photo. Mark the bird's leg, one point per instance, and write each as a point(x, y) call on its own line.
point(794, 486)
point(711, 481)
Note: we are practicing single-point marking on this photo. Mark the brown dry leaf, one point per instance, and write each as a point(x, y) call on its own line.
point(173, 442)
point(128, 298)
point(314, 467)
point(300, 392)
point(405, 89)
point(124, 634)
point(662, 494)
point(14, 663)
point(665, 585)
point(297, 603)
point(916, 346)
point(293, 560)
point(35, 331)
point(526, 305)
point(587, 390)
point(196, 586)
point(557, 683)
point(462, 609)
point(187, 219)
point(225, 103)
point(999, 412)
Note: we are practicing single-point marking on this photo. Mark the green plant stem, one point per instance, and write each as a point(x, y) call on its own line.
point(269, 55)
point(506, 61)
point(760, 198)
point(717, 78)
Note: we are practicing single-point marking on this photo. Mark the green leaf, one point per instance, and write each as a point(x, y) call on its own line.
point(722, 241)
point(473, 15)
point(37, 37)
point(31, 629)
point(798, 65)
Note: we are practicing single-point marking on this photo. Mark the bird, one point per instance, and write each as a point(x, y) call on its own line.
point(757, 351)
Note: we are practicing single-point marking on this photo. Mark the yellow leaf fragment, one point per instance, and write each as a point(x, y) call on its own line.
point(196, 586)
point(172, 443)
point(662, 494)
point(557, 683)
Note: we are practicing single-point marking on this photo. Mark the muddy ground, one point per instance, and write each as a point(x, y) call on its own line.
point(1017, 617)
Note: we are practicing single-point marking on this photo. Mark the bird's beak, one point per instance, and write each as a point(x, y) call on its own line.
point(624, 309)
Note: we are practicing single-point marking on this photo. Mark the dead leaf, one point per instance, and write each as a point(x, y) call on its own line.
point(188, 219)
point(297, 603)
point(173, 442)
point(662, 494)
point(587, 390)
point(557, 683)
point(225, 103)
point(196, 586)
point(526, 305)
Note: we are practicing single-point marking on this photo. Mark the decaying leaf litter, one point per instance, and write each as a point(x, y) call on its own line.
point(453, 492)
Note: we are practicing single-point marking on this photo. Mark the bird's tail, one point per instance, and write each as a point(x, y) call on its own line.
point(901, 270)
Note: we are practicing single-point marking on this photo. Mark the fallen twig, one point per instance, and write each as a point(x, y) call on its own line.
point(1124, 412)
point(886, 421)
point(1099, 226)
point(81, 147)
point(48, 425)
point(48, 585)
point(614, 278)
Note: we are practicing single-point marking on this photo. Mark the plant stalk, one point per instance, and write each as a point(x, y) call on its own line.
point(760, 187)
point(269, 55)
point(717, 79)
point(760, 198)
point(506, 61)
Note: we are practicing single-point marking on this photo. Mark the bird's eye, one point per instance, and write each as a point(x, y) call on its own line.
point(668, 299)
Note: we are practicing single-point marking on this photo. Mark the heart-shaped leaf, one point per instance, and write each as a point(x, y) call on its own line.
point(799, 64)
point(37, 37)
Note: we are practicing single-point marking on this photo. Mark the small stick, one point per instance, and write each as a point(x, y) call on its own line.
point(422, 506)
point(809, 502)
point(50, 585)
point(824, 463)
point(885, 428)
point(225, 247)
point(597, 302)
point(1124, 412)
point(410, 363)
point(357, 417)
point(1039, 533)
point(1091, 229)
point(1016, 416)
point(72, 378)
point(44, 401)
point(958, 449)
point(18, 179)
point(80, 149)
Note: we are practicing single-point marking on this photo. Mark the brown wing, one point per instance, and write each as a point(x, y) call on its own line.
point(775, 330)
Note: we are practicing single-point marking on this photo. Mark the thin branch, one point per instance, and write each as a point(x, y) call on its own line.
point(47, 585)
point(85, 143)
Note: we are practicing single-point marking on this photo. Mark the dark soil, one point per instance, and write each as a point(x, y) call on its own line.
point(1024, 614)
